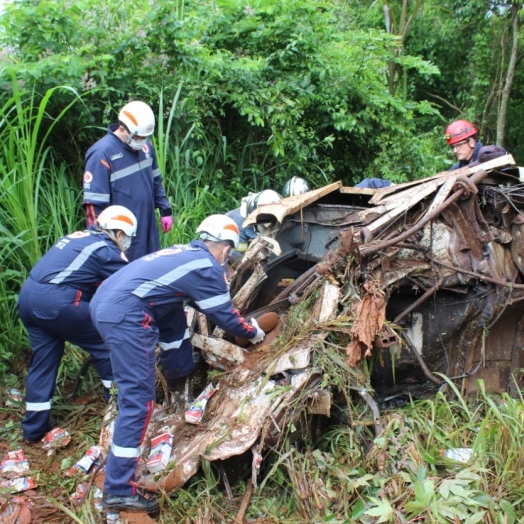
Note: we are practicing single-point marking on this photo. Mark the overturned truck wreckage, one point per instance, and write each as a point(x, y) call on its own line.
point(381, 295)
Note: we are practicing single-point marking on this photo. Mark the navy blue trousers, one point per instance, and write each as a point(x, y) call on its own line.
point(131, 335)
point(52, 315)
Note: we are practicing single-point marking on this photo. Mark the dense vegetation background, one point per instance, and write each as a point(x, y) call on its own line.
point(247, 93)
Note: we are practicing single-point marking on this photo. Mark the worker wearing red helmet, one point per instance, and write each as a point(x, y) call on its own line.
point(462, 137)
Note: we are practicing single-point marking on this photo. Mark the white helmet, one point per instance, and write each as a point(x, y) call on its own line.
point(219, 228)
point(268, 196)
point(138, 118)
point(295, 186)
point(118, 217)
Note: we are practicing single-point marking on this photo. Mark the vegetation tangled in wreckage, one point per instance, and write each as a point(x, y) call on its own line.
point(340, 470)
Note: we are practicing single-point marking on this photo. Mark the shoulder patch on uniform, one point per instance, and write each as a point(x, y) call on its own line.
point(88, 177)
point(116, 157)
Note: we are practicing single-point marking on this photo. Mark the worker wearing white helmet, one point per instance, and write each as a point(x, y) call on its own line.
point(54, 307)
point(247, 206)
point(121, 168)
point(142, 306)
point(295, 186)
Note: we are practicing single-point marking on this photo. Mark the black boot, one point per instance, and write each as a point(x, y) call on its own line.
point(136, 502)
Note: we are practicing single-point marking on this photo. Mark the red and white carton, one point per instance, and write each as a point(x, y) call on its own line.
point(56, 438)
point(20, 484)
point(195, 413)
point(85, 463)
point(15, 464)
point(160, 452)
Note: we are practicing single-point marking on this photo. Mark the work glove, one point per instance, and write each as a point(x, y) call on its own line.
point(259, 334)
point(167, 223)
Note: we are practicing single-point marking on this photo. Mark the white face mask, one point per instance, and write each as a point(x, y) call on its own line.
point(137, 145)
point(124, 243)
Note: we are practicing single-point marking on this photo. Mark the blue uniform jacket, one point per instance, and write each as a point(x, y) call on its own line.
point(116, 174)
point(373, 183)
point(81, 260)
point(164, 280)
point(474, 158)
point(246, 234)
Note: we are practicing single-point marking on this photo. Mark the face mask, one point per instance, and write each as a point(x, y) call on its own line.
point(137, 145)
point(125, 243)
point(225, 255)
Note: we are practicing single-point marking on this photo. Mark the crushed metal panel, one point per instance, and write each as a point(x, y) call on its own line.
point(290, 205)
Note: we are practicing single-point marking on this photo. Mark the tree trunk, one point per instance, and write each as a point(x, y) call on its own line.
point(510, 73)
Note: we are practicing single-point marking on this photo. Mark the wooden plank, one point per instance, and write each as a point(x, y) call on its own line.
point(442, 194)
point(290, 205)
point(413, 196)
point(502, 161)
point(357, 190)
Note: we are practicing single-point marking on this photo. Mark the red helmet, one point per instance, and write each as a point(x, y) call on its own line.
point(458, 131)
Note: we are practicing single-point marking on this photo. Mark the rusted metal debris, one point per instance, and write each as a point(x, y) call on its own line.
point(424, 279)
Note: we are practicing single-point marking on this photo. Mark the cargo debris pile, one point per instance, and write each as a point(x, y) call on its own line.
point(423, 281)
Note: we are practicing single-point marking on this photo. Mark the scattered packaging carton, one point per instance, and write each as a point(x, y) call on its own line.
point(19, 484)
point(15, 464)
point(160, 452)
point(85, 463)
point(195, 413)
point(54, 439)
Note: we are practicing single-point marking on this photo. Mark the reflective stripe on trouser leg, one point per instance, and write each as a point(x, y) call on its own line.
point(131, 337)
point(176, 356)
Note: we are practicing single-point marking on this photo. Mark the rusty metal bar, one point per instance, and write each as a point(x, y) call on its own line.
point(420, 360)
point(420, 300)
point(491, 280)
point(371, 249)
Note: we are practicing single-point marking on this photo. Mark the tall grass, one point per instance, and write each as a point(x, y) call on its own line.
point(193, 168)
point(37, 200)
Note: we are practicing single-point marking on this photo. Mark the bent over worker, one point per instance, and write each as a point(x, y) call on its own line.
point(121, 168)
point(54, 308)
point(144, 304)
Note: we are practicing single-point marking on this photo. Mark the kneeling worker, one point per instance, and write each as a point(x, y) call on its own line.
point(144, 304)
point(54, 308)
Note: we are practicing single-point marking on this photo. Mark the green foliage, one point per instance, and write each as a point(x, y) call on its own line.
point(289, 87)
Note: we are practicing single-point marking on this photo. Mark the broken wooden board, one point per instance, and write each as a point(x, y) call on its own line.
point(503, 161)
point(215, 349)
point(290, 205)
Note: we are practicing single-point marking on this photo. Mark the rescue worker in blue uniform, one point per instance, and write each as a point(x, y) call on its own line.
point(54, 308)
point(373, 183)
point(143, 304)
point(462, 138)
point(121, 168)
point(247, 206)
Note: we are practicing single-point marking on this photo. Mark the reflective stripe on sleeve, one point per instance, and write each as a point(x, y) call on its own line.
point(212, 302)
point(38, 406)
point(156, 172)
point(121, 452)
point(166, 346)
point(97, 197)
point(167, 279)
point(78, 262)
